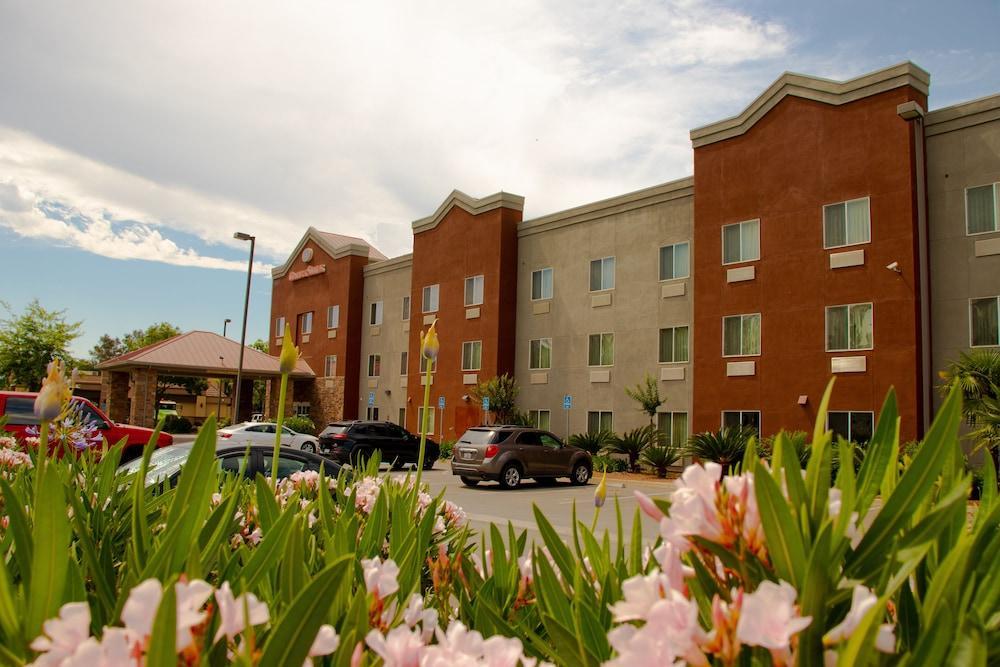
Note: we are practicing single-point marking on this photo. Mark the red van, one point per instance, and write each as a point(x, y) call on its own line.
point(19, 409)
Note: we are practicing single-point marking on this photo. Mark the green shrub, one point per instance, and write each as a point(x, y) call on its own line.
point(301, 425)
point(446, 449)
point(632, 443)
point(660, 457)
point(177, 424)
point(609, 463)
point(592, 442)
point(726, 447)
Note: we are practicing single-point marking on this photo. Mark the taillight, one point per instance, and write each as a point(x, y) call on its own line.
point(491, 451)
point(225, 436)
point(339, 436)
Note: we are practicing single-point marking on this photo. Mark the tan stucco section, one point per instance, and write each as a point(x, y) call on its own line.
point(963, 150)
point(388, 282)
point(631, 228)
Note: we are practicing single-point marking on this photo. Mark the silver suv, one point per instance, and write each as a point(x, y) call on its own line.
point(508, 454)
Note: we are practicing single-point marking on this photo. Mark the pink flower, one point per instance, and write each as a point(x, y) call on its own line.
point(676, 572)
point(401, 647)
point(380, 578)
point(671, 636)
point(232, 619)
point(692, 508)
point(326, 642)
point(63, 634)
point(640, 594)
point(416, 614)
point(769, 617)
point(647, 505)
point(460, 646)
point(144, 600)
point(862, 601)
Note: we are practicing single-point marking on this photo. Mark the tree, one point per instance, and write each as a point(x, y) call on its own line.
point(106, 348)
point(647, 395)
point(502, 392)
point(260, 386)
point(978, 375)
point(28, 342)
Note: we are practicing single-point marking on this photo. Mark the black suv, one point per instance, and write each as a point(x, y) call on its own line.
point(351, 441)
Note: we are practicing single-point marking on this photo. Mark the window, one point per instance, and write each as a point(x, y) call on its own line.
point(330, 367)
point(402, 417)
point(731, 418)
point(741, 335)
point(20, 411)
point(602, 274)
point(301, 410)
point(372, 414)
point(375, 313)
point(374, 365)
point(981, 212)
point(847, 223)
point(541, 284)
point(404, 358)
point(741, 242)
point(332, 317)
point(675, 261)
point(279, 327)
point(423, 365)
point(673, 345)
point(430, 304)
point(599, 421)
point(674, 426)
point(849, 327)
point(472, 355)
point(406, 309)
point(540, 354)
point(602, 350)
point(307, 322)
point(540, 419)
point(985, 321)
point(855, 427)
point(474, 291)
point(420, 420)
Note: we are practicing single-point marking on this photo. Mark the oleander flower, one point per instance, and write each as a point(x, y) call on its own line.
point(400, 647)
point(769, 617)
point(326, 642)
point(671, 635)
point(55, 392)
point(232, 619)
point(61, 636)
point(289, 353)
point(429, 343)
point(640, 593)
point(415, 614)
point(144, 600)
point(380, 577)
point(862, 601)
point(647, 505)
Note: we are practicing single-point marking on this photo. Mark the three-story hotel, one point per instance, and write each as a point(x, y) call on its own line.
point(830, 229)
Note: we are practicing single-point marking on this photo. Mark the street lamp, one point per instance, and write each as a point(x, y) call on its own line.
point(222, 362)
point(240, 236)
point(224, 325)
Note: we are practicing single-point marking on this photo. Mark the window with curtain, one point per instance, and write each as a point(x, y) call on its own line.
point(374, 365)
point(675, 261)
point(404, 359)
point(602, 274)
point(279, 327)
point(981, 209)
point(673, 345)
point(420, 420)
point(474, 291)
point(375, 313)
point(847, 223)
point(741, 335)
point(849, 327)
point(406, 309)
point(307, 323)
point(674, 426)
point(985, 321)
point(540, 418)
point(330, 367)
point(601, 349)
point(472, 355)
point(541, 284)
point(430, 300)
point(731, 418)
point(599, 420)
point(855, 427)
point(540, 354)
point(332, 317)
point(423, 365)
point(741, 242)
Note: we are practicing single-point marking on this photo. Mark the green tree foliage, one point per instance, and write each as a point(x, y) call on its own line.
point(647, 395)
point(977, 373)
point(29, 341)
point(502, 392)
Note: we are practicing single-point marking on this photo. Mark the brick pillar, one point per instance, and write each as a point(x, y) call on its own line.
point(274, 389)
point(114, 395)
point(326, 400)
point(242, 411)
point(143, 412)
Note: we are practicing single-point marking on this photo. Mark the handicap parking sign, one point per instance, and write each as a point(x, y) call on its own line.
point(371, 399)
point(567, 402)
point(441, 403)
point(486, 403)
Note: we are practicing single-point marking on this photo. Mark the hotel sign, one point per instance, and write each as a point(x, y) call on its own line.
point(306, 272)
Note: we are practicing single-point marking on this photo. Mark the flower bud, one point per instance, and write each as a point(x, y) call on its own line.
point(289, 353)
point(429, 344)
point(602, 490)
point(55, 392)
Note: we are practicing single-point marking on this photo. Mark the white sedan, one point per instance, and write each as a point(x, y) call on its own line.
point(262, 433)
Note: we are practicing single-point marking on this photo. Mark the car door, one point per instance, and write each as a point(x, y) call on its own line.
point(288, 437)
point(528, 449)
point(557, 456)
point(400, 444)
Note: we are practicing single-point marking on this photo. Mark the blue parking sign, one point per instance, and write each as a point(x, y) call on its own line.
point(486, 403)
point(441, 403)
point(567, 402)
point(371, 399)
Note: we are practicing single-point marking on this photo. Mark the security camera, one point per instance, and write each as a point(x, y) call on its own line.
point(893, 266)
point(465, 397)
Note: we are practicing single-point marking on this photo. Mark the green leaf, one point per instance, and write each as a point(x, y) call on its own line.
point(51, 538)
point(267, 506)
point(266, 554)
point(557, 548)
point(140, 526)
point(881, 454)
point(818, 473)
point(10, 619)
point(20, 529)
point(971, 648)
point(163, 639)
point(783, 538)
point(190, 503)
point(819, 428)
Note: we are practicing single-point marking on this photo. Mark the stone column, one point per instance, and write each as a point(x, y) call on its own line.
point(114, 395)
point(143, 412)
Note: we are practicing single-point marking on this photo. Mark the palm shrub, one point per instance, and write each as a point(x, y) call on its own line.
point(727, 446)
point(631, 444)
point(647, 395)
point(977, 374)
point(593, 442)
point(660, 457)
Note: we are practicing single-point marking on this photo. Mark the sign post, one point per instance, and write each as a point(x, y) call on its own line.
point(486, 408)
point(567, 406)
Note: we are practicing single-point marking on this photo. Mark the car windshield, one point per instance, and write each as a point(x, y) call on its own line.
point(479, 437)
point(163, 463)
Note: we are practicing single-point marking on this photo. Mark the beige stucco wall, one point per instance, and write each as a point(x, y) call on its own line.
point(389, 282)
point(632, 228)
point(963, 150)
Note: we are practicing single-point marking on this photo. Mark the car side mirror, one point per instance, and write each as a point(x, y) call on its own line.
point(103, 425)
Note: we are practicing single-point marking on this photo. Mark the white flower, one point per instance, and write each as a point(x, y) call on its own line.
point(232, 619)
point(63, 634)
point(144, 600)
point(401, 647)
point(670, 636)
point(460, 646)
point(380, 578)
point(640, 594)
point(327, 641)
point(692, 504)
point(862, 601)
point(415, 613)
point(769, 618)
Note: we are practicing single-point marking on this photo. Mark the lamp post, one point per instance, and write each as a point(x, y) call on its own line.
point(240, 236)
point(222, 362)
point(224, 325)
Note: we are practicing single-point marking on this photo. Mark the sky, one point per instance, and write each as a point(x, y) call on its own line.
point(136, 137)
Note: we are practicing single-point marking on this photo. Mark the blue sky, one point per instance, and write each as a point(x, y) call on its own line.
point(135, 138)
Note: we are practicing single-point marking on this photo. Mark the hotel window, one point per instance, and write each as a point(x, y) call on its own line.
point(673, 345)
point(981, 214)
point(474, 291)
point(741, 242)
point(404, 358)
point(406, 309)
point(601, 350)
point(541, 284)
point(599, 421)
point(675, 261)
point(420, 420)
point(540, 419)
point(423, 365)
point(332, 317)
point(402, 417)
point(854, 427)
point(673, 426)
point(374, 365)
point(985, 321)
point(472, 355)
point(849, 327)
point(372, 414)
point(540, 354)
point(732, 418)
point(307, 322)
point(430, 302)
point(330, 367)
point(741, 335)
point(847, 223)
point(301, 409)
point(375, 313)
point(279, 327)
point(602, 274)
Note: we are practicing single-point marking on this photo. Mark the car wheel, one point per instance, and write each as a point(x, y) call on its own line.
point(469, 481)
point(428, 463)
point(580, 475)
point(510, 476)
point(309, 446)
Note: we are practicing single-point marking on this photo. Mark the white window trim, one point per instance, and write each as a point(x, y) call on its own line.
point(672, 413)
point(422, 305)
point(736, 356)
point(849, 414)
point(826, 327)
point(722, 233)
point(370, 365)
point(532, 280)
point(614, 276)
point(425, 360)
point(722, 418)
point(408, 311)
point(599, 413)
point(822, 222)
point(659, 266)
point(549, 367)
point(326, 365)
point(981, 298)
point(602, 334)
point(336, 308)
point(279, 327)
point(402, 422)
point(307, 317)
point(678, 326)
point(378, 315)
point(472, 344)
point(996, 210)
point(540, 411)
point(482, 296)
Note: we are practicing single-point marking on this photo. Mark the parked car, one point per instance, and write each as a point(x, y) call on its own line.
point(166, 464)
point(19, 409)
point(351, 441)
point(262, 433)
point(508, 454)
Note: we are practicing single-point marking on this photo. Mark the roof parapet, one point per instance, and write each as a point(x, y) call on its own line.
point(470, 205)
point(356, 247)
point(965, 114)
